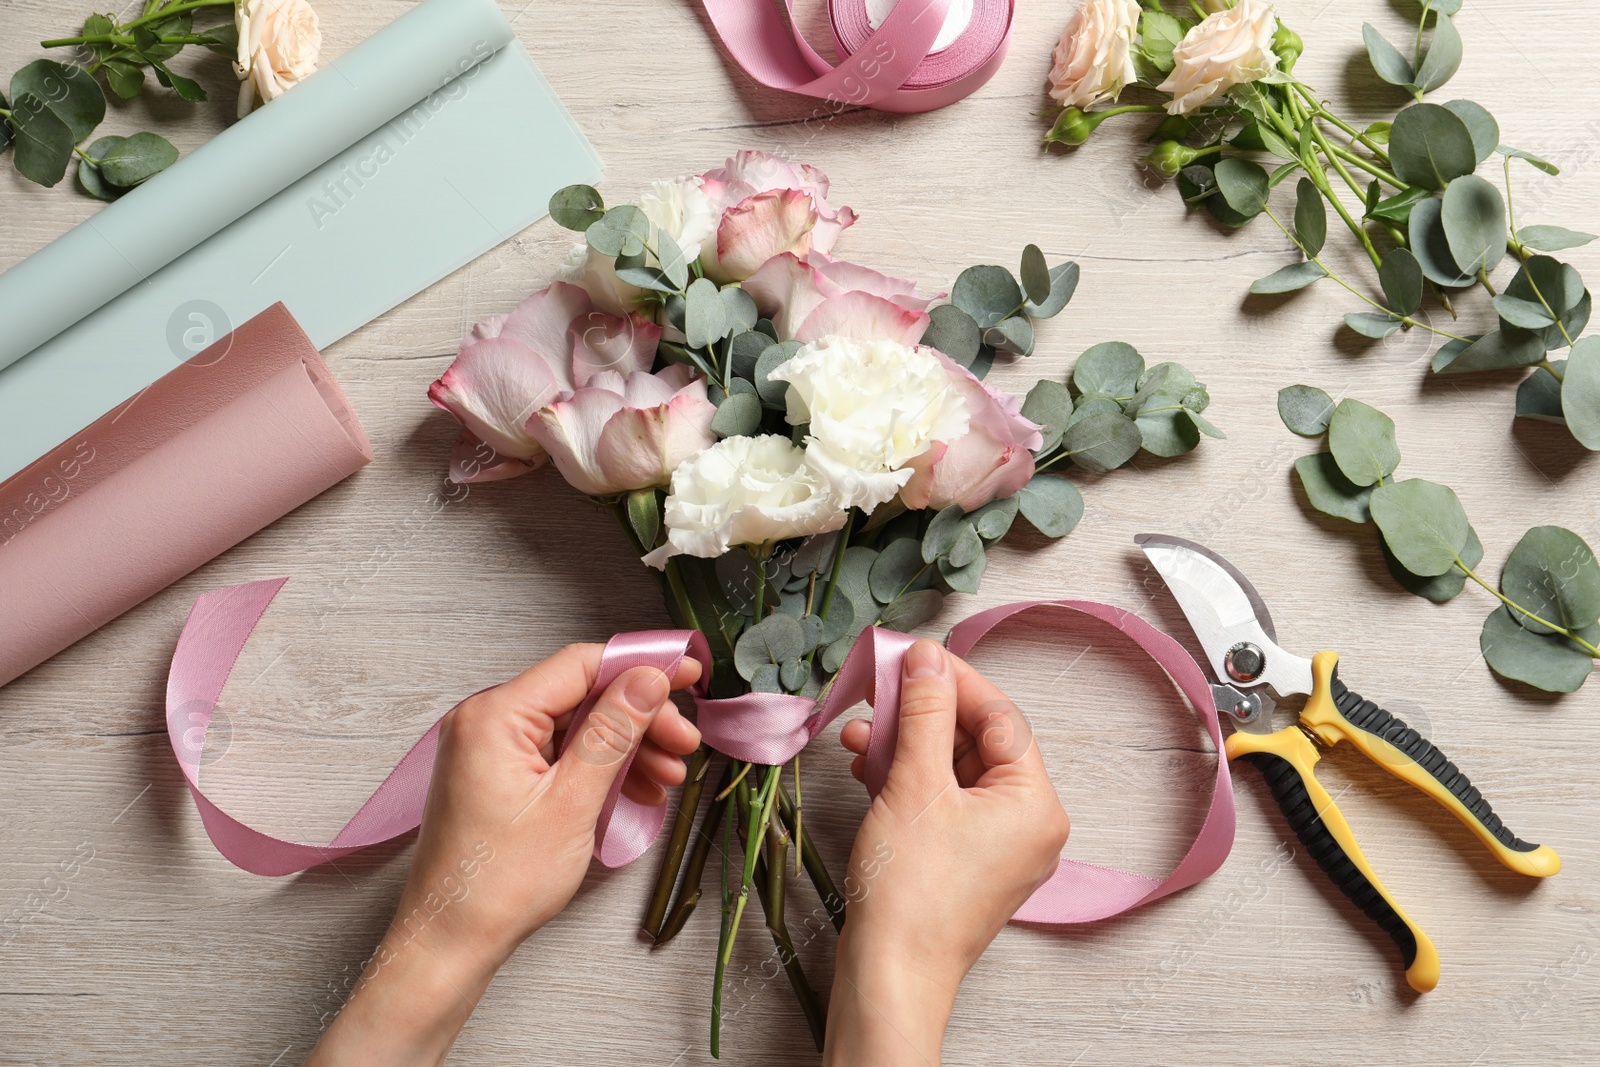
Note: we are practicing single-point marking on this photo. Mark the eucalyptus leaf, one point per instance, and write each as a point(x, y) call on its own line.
point(1257, 137)
point(7, 134)
point(1035, 274)
point(1397, 208)
point(1310, 217)
point(833, 656)
point(1094, 404)
point(964, 579)
point(1431, 246)
point(1243, 185)
point(1063, 283)
point(1443, 58)
point(1014, 335)
point(1580, 392)
point(1288, 279)
point(898, 569)
point(133, 159)
point(1423, 523)
point(1474, 219)
point(671, 258)
point(739, 415)
point(1305, 409)
point(705, 315)
point(632, 269)
point(747, 348)
point(1330, 492)
point(1436, 587)
point(1539, 395)
point(913, 609)
point(772, 641)
point(1362, 441)
point(1523, 313)
point(67, 90)
point(1049, 404)
point(1371, 324)
point(953, 332)
point(1401, 279)
point(794, 674)
point(1450, 351)
point(577, 207)
point(1052, 504)
point(995, 518)
point(621, 231)
point(1517, 153)
point(841, 618)
point(1552, 238)
point(988, 293)
point(1167, 432)
point(739, 308)
point(90, 181)
point(1386, 59)
point(772, 391)
point(43, 142)
point(1110, 367)
point(1544, 280)
point(1551, 663)
point(1102, 443)
point(1495, 350)
point(1480, 124)
point(1203, 425)
point(1552, 573)
point(942, 532)
point(1430, 146)
point(767, 678)
point(968, 548)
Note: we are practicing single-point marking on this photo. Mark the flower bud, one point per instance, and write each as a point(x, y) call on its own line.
point(1073, 126)
point(1170, 157)
point(1288, 46)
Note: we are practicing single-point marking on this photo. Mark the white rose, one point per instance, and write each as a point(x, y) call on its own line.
point(873, 406)
point(1231, 47)
point(278, 45)
point(683, 210)
point(745, 491)
point(1094, 58)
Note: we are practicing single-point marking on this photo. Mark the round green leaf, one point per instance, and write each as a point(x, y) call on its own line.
point(1401, 279)
point(1168, 432)
point(1430, 146)
point(621, 231)
point(1437, 587)
point(1111, 367)
point(1480, 124)
point(986, 292)
point(1553, 574)
point(1474, 219)
point(953, 332)
point(1305, 409)
point(1371, 324)
point(130, 160)
point(1552, 238)
point(771, 390)
point(1104, 442)
point(1035, 275)
point(1443, 58)
point(739, 415)
point(89, 178)
point(942, 532)
point(1049, 404)
point(913, 609)
point(1516, 311)
point(577, 207)
point(1551, 662)
point(1310, 217)
point(995, 518)
point(43, 141)
point(1288, 279)
point(967, 577)
point(1432, 247)
point(1580, 392)
point(1052, 504)
point(1495, 350)
point(1423, 522)
point(67, 90)
point(1243, 185)
point(898, 569)
point(1539, 395)
point(1330, 492)
point(1063, 282)
point(773, 640)
point(705, 315)
point(1014, 335)
point(1386, 59)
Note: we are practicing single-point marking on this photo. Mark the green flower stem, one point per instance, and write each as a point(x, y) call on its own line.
point(833, 576)
point(771, 882)
point(760, 808)
point(1321, 180)
point(1371, 168)
point(1321, 111)
point(832, 901)
point(1200, 11)
point(683, 818)
point(1522, 254)
point(1545, 364)
point(1416, 47)
point(1514, 606)
point(694, 870)
point(799, 814)
point(725, 938)
point(1127, 109)
point(158, 15)
point(761, 556)
point(744, 769)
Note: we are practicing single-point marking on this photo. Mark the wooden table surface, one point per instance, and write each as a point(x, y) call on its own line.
point(406, 597)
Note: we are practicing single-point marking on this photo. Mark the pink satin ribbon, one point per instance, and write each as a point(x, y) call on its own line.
point(766, 728)
point(892, 68)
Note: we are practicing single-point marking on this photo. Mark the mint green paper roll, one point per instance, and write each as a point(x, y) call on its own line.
point(452, 174)
point(131, 239)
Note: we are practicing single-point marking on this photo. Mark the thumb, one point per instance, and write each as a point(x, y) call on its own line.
point(607, 739)
point(927, 729)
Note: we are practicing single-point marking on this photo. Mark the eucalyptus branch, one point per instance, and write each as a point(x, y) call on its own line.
point(1514, 606)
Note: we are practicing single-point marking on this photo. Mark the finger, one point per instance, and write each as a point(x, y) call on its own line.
point(999, 730)
point(658, 765)
point(855, 735)
point(927, 726)
point(589, 766)
point(968, 764)
point(858, 768)
point(555, 686)
point(672, 732)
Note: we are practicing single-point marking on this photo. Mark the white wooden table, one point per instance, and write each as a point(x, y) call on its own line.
point(159, 951)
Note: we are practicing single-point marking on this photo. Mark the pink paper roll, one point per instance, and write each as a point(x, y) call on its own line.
point(223, 445)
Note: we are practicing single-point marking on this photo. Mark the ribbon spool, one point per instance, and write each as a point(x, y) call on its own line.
point(892, 58)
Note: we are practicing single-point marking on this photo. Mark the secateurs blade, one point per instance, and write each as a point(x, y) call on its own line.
point(1249, 669)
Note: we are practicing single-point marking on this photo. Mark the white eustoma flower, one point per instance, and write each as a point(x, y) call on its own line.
point(873, 406)
point(745, 491)
point(1094, 58)
point(1229, 48)
point(681, 209)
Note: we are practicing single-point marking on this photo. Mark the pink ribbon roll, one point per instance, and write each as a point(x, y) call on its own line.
point(897, 67)
point(767, 728)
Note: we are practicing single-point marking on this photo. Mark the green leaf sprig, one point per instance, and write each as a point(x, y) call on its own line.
point(1408, 191)
point(1546, 628)
point(54, 107)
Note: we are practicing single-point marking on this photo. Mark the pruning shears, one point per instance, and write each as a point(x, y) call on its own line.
point(1249, 668)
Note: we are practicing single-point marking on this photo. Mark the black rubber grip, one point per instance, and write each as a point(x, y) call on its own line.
point(1290, 793)
point(1365, 715)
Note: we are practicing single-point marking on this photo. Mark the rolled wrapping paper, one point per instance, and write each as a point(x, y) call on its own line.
point(893, 54)
point(244, 165)
point(223, 445)
point(350, 193)
point(766, 728)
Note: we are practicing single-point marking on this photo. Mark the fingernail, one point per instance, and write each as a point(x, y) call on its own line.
point(925, 660)
point(645, 691)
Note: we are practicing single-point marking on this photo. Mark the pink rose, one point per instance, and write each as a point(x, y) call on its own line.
point(615, 434)
point(766, 206)
point(510, 366)
point(817, 296)
point(993, 459)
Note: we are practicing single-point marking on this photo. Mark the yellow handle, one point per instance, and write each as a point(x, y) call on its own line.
point(1288, 759)
point(1323, 717)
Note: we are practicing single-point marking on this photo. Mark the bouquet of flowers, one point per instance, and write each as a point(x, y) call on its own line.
point(1408, 189)
point(801, 448)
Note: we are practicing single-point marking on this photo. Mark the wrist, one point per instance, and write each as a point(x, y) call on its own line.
point(888, 1006)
